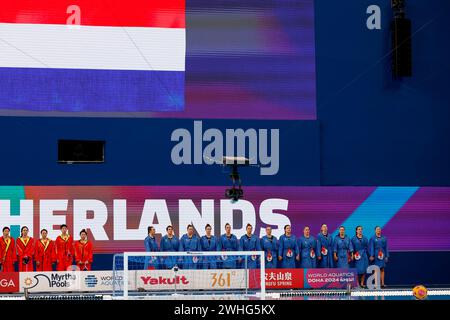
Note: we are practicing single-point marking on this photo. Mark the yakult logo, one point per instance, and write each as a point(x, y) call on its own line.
point(164, 280)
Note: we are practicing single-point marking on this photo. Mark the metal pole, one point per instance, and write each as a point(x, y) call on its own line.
point(263, 275)
point(246, 275)
point(125, 275)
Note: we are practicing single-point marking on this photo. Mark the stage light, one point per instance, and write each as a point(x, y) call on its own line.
point(234, 193)
point(401, 41)
point(234, 162)
point(398, 5)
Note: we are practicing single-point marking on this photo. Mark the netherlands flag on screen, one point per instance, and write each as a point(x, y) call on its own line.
point(92, 55)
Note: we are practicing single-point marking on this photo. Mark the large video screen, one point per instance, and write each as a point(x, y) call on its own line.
point(163, 58)
point(92, 55)
point(412, 218)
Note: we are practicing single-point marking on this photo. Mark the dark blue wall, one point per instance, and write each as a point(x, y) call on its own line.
point(376, 131)
point(373, 130)
point(138, 152)
point(380, 131)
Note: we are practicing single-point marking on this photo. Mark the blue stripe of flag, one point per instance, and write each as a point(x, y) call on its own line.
point(75, 90)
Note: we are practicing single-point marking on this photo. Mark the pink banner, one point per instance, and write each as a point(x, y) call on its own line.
point(330, 278)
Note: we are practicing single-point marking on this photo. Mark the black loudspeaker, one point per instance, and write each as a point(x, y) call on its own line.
point(401, 47)
point(81, 151)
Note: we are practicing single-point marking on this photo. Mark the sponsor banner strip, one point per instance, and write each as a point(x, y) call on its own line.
point(157, 280)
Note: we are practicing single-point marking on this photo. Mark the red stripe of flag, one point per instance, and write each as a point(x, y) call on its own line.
point(113, 13)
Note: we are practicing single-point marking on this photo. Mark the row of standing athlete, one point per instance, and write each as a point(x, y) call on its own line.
point(42, 254)
point(287, 252)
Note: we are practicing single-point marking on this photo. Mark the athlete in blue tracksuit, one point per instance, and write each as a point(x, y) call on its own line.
point(209, 243)
point(228, 242)
point(288, 249)
point(151, 246)
point(361, 254)
point(190, 242)
point(307, 246)
point(379, 253)
point(169, 243)
point(250, 242)
point(324, 250)
point(342, 249)
point(269, 244)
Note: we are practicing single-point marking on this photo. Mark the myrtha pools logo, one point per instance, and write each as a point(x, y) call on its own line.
point(66, 280)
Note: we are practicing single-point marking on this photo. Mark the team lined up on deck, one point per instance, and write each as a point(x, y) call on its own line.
point(287, 252)
point(44, 253)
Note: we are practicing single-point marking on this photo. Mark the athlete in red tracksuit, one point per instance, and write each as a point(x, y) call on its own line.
point(83, 252)
point(25, 251)
point(7, 252)
point(44, 252)
point(64, 250)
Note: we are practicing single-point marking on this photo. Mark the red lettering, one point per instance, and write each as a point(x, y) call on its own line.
point(163, 281)
point(145, 279)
